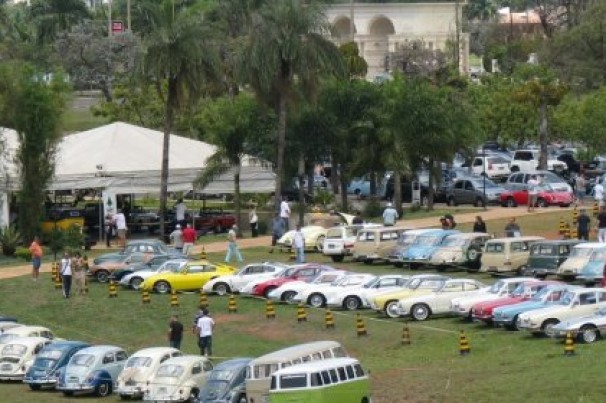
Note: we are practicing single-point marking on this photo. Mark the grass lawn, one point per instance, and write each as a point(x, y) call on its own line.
point(502, 367)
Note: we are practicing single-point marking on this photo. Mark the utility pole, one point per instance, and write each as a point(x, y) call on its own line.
point(109, 18)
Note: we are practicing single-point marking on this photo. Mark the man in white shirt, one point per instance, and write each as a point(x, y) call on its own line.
point(180, 209)
point(299, 245)
point(120, 223)
point(232, 247)
point(533, 182)
point(177, 238)
point(66, 274)
point(204, 328)
point(598, 193)
point(285, 212)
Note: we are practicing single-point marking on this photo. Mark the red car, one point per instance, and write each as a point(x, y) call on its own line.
point(482, 311)
point(305, 272)
point(546, 196)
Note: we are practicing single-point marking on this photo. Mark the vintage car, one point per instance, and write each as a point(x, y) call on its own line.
point(25, 331)
point(47, 367)
point(340, 240)
point(103, 272)
point(139, 368)
point(316, 296)
point(191, 277)
point(546, 196)
point(288, 292)
point(254, 271)
point(462, 306)
point(17, 356)
point(420, 251)
point(179, 379)
point(134, 280)
point(8, 325)
point(589, 254)
point(387, 302)
point(140, 219)
point(463, 249)
point(147, 246)
point(353, 298)
point(226, 382)
point(422, 307)
point(305, 272)
point(375, 244)
point(406, 239)
point(92, 370)
point(483, 311)
point(586, 329)
point(314, 236)
point(507, 254)
point(4, 318)
point(574, 303)
point(546, 256)
point(215, 220)
point(507, 316)
point(154, 262)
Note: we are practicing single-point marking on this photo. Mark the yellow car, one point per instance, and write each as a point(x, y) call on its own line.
point(418, 285)
point(191, 277)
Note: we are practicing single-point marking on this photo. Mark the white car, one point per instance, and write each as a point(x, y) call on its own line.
point(287, 292)
point(8, 325)
point(358, 297)
point(234, 282)
point(462, 306)
point(493, 166)
point(139, 368)
point(314, 236)
point(586, 328)
point(317, 296)
point(134, 280)
point(575, 303)
point(179, 379)
point(528, 161)
point(18, 355)
point(340, 240)
point(25, 331)
point(438, 302)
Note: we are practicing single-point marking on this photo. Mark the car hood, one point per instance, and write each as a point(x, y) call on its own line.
point(495, 303)
point(214, 390)
point(520, 307)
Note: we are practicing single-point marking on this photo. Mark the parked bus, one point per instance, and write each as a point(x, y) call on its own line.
point(260, 370)
point(338, 380)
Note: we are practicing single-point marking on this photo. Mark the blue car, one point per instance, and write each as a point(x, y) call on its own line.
point(424, 246)
point(49, 362)
point(507, 316)
point(593, 271)
point(225, 383)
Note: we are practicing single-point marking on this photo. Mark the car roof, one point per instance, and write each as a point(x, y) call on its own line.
point(152, 351)
point(420, 231)
point(469, 235)
point(28, 341)
point(592, 245)
point(234, 363)
point(302, 349)
point(560, 242)
point(185, 360)
point(25, 329)
point(66, 344)
point(519, 238)
point(318, 365)
point(96, 350)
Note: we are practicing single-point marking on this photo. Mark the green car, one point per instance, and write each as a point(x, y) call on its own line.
point(547, 256)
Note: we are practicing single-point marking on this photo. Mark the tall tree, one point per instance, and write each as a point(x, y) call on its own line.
point(53, 16)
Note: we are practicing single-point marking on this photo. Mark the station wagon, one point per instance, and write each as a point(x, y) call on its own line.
point(507, 254)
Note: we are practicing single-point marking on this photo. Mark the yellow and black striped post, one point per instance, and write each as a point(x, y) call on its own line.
point(596, 209)
point(270, 311)
point(360, 326)
point(113, 290)
point(562, 228)
point(301, 314)
point(573, 232)
point(232, 305)
point(85, 285)
point(329, 319)
point(145, 297)
point(203, 300)
point(58, 280)
point(203, 253)
point(174, 299)
point(567, 231)
point(575, 215)
point(464, 347)
point(292, 256)
point(569, 344)
point(405, 335)
point(54, 272)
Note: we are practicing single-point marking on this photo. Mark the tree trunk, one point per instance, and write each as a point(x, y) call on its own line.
point(282, 115)
point(300, 178)
point(343, 182)
point(543, 135)
point(373, 183)
point(430, 191)
point(168, 127)
point(237, 207)
point(397, 191)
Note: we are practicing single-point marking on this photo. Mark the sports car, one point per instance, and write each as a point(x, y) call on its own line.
point(191, 277)
point(317, 296)
point(251, 272)
point(357, 297)
point(546, 196)
point(287, 292)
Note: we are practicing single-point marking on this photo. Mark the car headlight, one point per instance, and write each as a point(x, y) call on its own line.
point(90, 378)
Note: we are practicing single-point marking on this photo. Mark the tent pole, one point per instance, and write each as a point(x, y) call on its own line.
point(100, 216)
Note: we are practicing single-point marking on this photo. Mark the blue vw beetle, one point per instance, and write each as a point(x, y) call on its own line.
point(49, 363)
point(424, 246)
point(225, 383)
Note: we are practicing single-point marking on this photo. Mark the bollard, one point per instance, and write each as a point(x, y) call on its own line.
point(562, 228)
point(270, 311)
point(113, 290)
point(58, 281)
point(174, 299)
point(596, 209)
point(405, 335)
point(575, 216)
point(203, 253)
point(232, 306)
point(464, 347)
point(203, 300)
point(360, 326)
point(145, 297)
point(293, 255)
point(567, 231)
point(301, 314)
point(85, 285)
point(54, 272)
point(569, 345)
point(329, 319)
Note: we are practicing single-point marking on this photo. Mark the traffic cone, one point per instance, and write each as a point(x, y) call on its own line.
point(562, 228)
point(569, 345)
point(329, 319)
point(232, 306)
point(270, 311)
point(54, 272)
point(145, 297)
point(113, 290)
point(405, 335)
point(360, 326)
point(203, 300)
point(203, 253)
point(174, 299)
point(301, 314)
point(575, 215)
point(464, 347)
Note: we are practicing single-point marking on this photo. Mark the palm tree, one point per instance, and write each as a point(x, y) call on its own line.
point(53, 16)
point(285, 45)
point(178, 58)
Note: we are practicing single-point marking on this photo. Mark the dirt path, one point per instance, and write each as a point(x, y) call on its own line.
point(491, 214)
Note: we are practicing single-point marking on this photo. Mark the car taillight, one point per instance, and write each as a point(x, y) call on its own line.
point(349, 245)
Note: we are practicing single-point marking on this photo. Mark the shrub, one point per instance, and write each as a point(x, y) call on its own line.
point(262, 227)
point(23, 253)
point(9, 238)
point(373, 209)
point(323, 197)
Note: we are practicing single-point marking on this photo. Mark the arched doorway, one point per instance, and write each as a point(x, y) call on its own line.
point(341, 30)
point(377, 47)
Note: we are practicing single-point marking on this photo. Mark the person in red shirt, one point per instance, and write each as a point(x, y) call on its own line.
point(189, 238)
point(36, 252)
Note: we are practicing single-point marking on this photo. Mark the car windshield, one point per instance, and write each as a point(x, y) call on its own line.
point(335, 233)
point(44, 363)
point(221, 375)
point(548, 177)
point(598, 255)
point(496, 287)
point(138, 362)
point(428, 240)
point(541, 295)
point(520, 290)
point(581, 252)
point(371, 283)
point(567, 298)
point(170, 371)
point(406, 239)
point(289, 272)
point(452, 242)
point(83, 360)
point(16, 350)
point(479, 184)
point(495, 247)
point(432, 284)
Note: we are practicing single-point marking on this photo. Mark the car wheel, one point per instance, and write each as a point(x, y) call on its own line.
point(68, 393)
point(320, 243)
point(451, 201)
point(368, 261)
point(193, 396)
point(511, 202)
point(479, 202)
point(102, 276)
point(542, 203)
point(135, 283)
point(162, 287)
point(103, 389)
point(316, 300)
point(34, 386)
point(588, 334)
point(547, 326)
point(352, 303)
point(513, 326)
point(391, 309)
point(420, 312)
point(288, 296)
point(337, 258)
point(267, 291)
point(399, 265)
point(473, 254)
point(221, 288)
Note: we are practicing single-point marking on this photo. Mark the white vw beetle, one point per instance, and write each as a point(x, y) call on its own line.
point(179, 379)
point(18, 355)
point(251, 272)
point(287, 292)
point(317, 296)
point(25, 331)
point(357, 297)
point(140, 367)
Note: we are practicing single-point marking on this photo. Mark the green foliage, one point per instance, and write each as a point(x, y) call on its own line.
point(72, 239)
point(23, 253)
point(262, 228)
point(372, 209)
point(356, 65)
point(323, 197)
point(10, 238)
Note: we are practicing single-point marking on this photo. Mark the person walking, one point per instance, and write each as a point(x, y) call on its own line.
point(479, 225)
point(277, 230)
point(512, 229)
point(598, 192)
point(175, 332)
point(78, 273)
point(253, 220)
point(180, 210)
point(66, 274)
point(299, 245)
point(176, 237)
point(285, 212)
point(36, 251)
point(120, 224)
point(583, 225)
point(109, 230)
point(232, 247)
point(204, 328)
point(601, 225)
point(533, 183)
point(580, 186)
point(390, 215)
point(188, 236)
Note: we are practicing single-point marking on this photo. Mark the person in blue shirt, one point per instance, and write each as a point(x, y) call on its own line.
point(390, 215)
